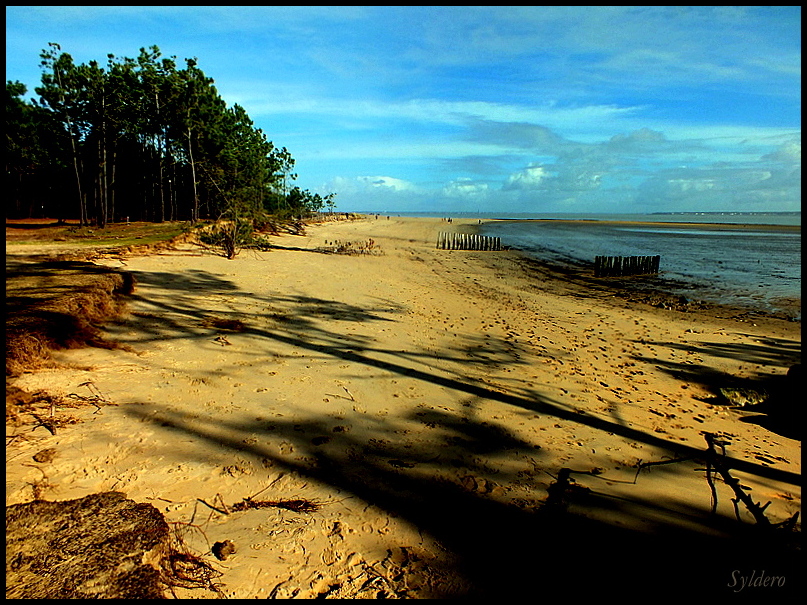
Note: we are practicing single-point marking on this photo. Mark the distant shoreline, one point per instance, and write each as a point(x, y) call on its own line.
point(777, 219)
point(744, 226)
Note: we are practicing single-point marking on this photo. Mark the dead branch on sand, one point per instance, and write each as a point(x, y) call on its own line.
point(716, 462)
point(564, 489)
point(298, 506)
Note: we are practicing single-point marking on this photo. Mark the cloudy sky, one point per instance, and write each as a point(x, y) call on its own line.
point(491, 109)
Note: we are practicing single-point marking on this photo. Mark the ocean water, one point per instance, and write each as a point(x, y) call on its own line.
point(752, 263)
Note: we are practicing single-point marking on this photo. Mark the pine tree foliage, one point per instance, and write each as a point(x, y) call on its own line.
point(141, 139)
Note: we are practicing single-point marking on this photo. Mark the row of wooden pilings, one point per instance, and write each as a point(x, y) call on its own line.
point(467, 241)
point(615, 266)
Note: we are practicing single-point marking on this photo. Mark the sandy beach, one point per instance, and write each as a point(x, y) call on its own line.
point(426, 402)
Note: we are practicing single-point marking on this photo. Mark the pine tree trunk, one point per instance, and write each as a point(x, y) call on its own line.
point(112, 185)
point(195, 211)
point(81, 202)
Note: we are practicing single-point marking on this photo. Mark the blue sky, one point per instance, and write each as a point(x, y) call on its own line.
point(491, 109)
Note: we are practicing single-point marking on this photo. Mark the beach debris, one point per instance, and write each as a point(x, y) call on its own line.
point(562, 491)
point(237, 469)
point(232, 325)
point(222, 340)
point(95, 397)
point(106, 546)
point(349, 395)
point(400, 464)
point(190, 571)
point(222, 550)
point(45, 456)
point(479, 485)
point(299, 505)
point(296, 505)
point(42, 407)
point(716, 463)
point(743, 397)
point(351, 248)
point(223, 510)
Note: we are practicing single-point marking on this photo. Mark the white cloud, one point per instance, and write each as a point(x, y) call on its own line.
point(465, 188)
point(787, 153)
point(295, 99)
point(364, 184)
point(690, 185)
point(386, 181)
point(529, 178)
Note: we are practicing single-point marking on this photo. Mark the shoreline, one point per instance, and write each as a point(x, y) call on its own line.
point(661, 291)
point(694, 225)
point(428, 400)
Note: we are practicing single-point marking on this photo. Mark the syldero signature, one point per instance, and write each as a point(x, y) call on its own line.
point(739, 581)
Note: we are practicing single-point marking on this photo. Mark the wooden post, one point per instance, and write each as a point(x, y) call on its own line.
point(615, 266)
point(467, 241)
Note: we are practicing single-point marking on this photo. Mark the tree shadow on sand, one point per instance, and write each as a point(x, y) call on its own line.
point(447, 485)
point(781, 410)
point(502, 548)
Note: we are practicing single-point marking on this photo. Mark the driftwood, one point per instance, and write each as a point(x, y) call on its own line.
point(717, 463)
point(249, 503)
point(298, 506)
point(561, 492)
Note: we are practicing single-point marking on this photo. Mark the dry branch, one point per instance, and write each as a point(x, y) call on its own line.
point(717, 463)
point(298, 506)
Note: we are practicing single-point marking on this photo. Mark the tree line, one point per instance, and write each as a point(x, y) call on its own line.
point(140, 139)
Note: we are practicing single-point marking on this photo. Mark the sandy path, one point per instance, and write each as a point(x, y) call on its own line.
point(425, 399)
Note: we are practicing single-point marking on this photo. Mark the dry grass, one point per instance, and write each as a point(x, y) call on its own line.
point(370, 247)
point(27, 411)
point(58, 301)
point(231, 325)
point(48, 231)
point(53, 305)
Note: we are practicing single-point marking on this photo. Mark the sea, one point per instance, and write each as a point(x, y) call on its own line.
point(748, 260)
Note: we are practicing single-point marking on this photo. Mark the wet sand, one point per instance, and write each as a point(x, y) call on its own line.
point(426, 400)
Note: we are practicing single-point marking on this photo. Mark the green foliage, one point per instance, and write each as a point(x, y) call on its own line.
point(36, 150)
point(144, 139)
point(231, 236)
point(297, 203)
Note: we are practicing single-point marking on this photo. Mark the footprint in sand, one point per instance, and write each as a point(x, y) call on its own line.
point(333, 529)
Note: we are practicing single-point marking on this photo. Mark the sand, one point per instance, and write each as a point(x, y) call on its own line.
point(425, 400)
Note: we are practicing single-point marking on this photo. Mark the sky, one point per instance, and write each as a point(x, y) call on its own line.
point(487, 109)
